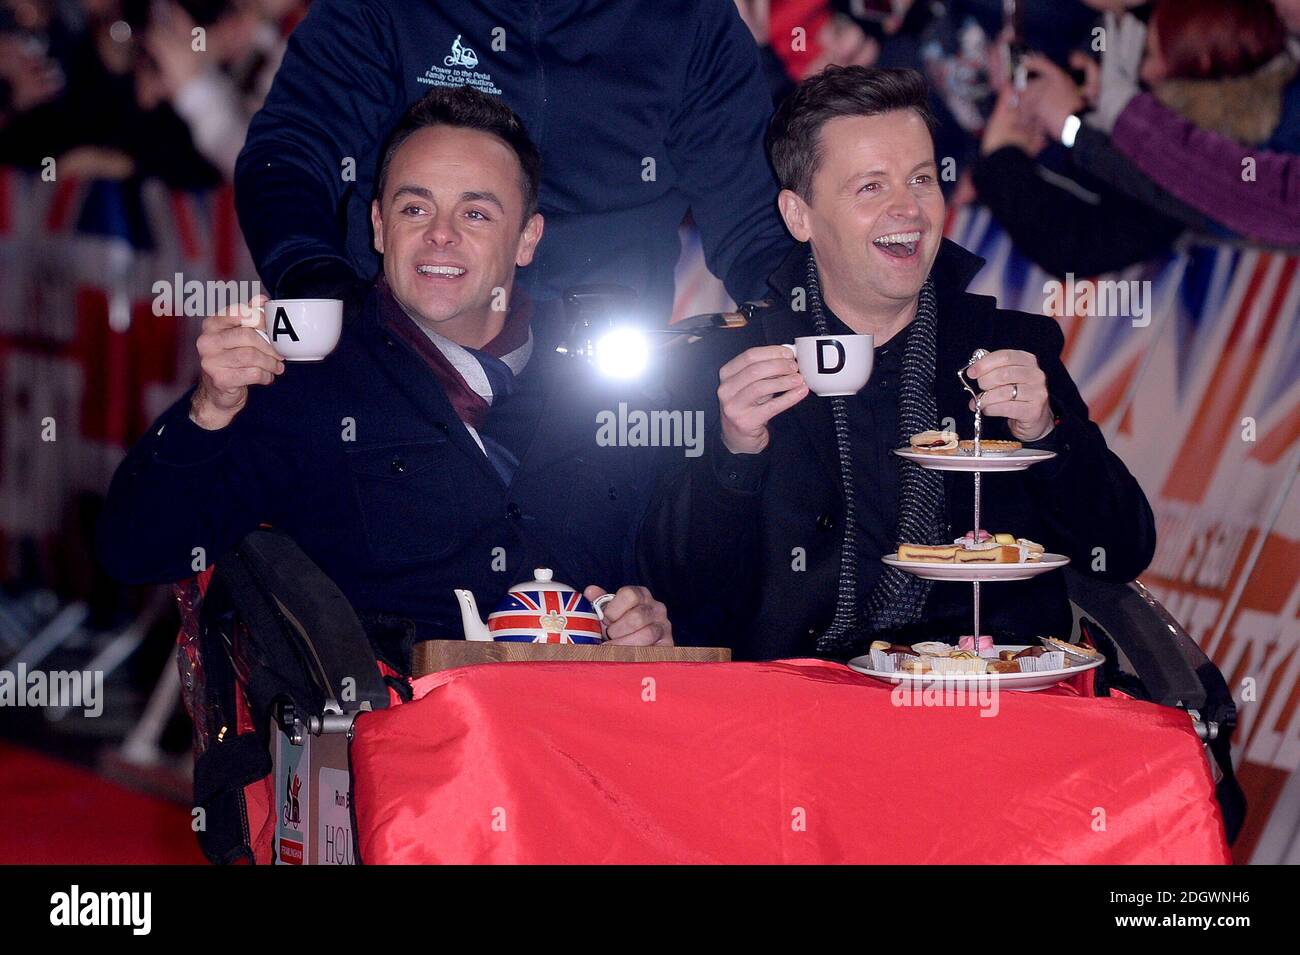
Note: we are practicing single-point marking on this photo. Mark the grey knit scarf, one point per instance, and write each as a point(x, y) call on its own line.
point(898, 598)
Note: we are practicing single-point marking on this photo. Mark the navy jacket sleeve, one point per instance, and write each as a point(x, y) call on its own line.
point(182, 487)
point(336, 95)
point(717, 144)
point(1061, 232)
point(1093, 505)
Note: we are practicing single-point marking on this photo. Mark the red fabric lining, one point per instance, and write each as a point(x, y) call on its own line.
point(797, 761)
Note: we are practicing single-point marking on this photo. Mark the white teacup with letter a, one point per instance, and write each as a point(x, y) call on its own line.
point(303, 329)
point(835, 364)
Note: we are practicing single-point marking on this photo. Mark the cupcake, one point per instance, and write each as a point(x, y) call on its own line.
point(932, 648)
point(960, 662)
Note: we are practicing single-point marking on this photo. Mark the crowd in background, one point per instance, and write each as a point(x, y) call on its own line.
point(1188, 119)
point(1190, 114)
point(127, 89)
point(1190, 108)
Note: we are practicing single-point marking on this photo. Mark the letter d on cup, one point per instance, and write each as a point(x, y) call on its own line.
point(834, 364)
point(829, 343)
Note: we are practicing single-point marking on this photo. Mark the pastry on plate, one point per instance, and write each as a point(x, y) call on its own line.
point(998, 548)
point(1076, 650)
point(934, 442)
point(1030, 551)
point(932, 648)
point(990, 446)
point(942, 553)
point(960, 661)
point(988, 554)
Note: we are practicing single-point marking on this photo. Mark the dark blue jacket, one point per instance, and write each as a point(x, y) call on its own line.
point(601, 85)
point(408, 510)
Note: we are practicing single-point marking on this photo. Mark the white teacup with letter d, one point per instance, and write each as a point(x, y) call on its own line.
point(835, 364)
point(303, 329)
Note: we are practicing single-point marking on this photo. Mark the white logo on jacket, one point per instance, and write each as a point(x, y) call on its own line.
point(458, 69)
point(460, 55)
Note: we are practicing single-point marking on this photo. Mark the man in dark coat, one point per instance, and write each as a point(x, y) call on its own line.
point(771, 541)
point(443, 444)
point(648, 107)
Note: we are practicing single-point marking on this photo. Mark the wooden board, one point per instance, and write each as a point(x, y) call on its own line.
point(434, 655)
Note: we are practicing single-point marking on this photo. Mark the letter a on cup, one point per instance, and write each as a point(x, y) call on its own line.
point(822, 345)
point(282, 326)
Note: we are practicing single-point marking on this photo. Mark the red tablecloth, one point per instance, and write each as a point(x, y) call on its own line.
point(799, 761)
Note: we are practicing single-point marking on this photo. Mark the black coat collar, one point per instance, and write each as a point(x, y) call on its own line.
point(412, 377)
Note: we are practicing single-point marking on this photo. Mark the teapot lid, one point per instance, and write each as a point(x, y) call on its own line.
point(543, 579)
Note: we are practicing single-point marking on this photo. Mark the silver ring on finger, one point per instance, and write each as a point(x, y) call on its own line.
point(1015, 391)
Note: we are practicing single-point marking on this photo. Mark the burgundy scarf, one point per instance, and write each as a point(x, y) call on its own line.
point(470, 406)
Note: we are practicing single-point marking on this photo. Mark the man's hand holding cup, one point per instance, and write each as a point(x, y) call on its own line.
point(755, 387)
point(758, 384)
point(249, 344)
point(233, 355)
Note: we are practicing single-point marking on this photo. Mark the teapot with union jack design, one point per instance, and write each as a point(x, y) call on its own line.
point(541, 610)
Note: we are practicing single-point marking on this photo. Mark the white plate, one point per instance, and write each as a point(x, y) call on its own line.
point(1007, 681)
point(940, 570)
point(1016, 460)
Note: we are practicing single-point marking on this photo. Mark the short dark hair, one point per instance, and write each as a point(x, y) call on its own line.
point(794, 135)
point(468, 108)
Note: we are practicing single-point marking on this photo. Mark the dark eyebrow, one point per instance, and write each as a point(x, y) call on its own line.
point(414, 190)
point(489, 197)
point(883, 172)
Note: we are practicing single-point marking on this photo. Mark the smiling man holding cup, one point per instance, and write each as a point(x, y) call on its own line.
point(771, 542)
point(429, 440)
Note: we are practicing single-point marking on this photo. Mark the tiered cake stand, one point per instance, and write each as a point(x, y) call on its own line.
point(978, 463)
